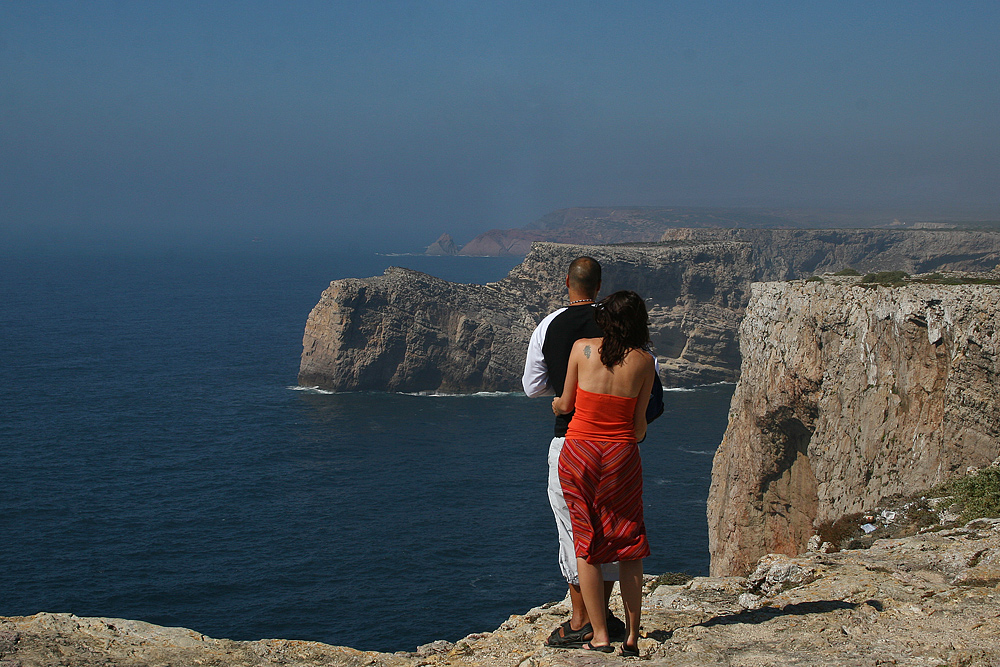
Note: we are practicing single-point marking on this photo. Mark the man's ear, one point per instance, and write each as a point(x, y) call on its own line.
point(567, 282)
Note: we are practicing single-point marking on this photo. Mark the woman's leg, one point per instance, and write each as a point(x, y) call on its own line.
point(592, 588)
point(630, 572)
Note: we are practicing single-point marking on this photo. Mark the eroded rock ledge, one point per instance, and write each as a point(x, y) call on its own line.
point(931, 599)
point(407, 331)
point(848, 395)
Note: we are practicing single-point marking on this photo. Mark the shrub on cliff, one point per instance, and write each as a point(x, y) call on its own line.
point(975, 496)
point(886, 278)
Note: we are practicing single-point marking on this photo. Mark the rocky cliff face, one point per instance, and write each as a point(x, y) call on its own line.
point(786, 254)
point(848, 395)
point(407, 331)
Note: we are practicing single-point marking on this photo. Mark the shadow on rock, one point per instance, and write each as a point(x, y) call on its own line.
point(799, 609)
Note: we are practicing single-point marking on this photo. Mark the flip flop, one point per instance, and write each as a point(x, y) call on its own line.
point(569, 638)
point(630, 651)
point(607, 648)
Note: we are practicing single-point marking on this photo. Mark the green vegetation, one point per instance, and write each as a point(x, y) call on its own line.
point(814, 279)
point(847, 271)
point(886, 278)
point(975, 496)
point(671, 579)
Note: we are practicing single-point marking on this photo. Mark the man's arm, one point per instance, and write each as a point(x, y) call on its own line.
point(535, 379)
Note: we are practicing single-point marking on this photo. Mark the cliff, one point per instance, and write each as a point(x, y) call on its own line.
point(635, 224)
point(849, 395)
point(786, 254)
point(406, 331)
point(623, 224)
point(445, 245)
point(901, 602)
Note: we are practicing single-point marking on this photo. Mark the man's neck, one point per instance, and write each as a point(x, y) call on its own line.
point(576, 299)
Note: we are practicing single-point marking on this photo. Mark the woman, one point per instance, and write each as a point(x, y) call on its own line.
point(608, 383)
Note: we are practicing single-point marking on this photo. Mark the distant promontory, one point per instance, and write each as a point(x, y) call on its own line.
point(599, 225)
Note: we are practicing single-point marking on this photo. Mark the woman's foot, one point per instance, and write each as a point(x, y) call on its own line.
point(603, 648)
point(630, 651)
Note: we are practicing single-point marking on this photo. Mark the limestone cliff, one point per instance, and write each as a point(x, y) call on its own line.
point(406, 331)
point(850, 394)
point(784, 254)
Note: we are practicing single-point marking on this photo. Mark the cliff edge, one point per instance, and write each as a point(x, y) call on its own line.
point(901, 602)
point(850, 394)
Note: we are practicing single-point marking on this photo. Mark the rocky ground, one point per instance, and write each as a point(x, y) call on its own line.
point(929, 599)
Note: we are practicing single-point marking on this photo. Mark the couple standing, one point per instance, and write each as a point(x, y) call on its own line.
point(594, 358)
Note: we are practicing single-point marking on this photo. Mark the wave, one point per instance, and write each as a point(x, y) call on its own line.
point(312, 390)
point(699, 387)
point(427, 394)
point(487, 394)
point(697, 451)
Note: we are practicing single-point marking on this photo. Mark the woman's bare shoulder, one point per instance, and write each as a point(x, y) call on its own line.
point(636, 355)
point(584, 342)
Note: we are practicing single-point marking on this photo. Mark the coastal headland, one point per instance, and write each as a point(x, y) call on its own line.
point(855, 395)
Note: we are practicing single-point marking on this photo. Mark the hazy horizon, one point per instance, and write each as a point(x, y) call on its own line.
point(313, 124)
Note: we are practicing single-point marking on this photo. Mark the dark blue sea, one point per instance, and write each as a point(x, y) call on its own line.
point(157, 462)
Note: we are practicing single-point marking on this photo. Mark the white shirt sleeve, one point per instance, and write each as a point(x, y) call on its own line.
point(536, 373)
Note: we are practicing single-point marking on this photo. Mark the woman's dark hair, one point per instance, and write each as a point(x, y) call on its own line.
point(623, 319)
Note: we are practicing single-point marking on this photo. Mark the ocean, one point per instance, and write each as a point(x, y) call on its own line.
point(157, 461)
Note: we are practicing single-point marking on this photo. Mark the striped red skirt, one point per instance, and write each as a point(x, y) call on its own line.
point(602, 483)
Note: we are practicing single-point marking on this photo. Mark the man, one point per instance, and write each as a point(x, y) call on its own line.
point(544, 374)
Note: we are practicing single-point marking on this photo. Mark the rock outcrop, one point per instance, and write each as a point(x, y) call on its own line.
point(500, 243)
point(631, 224)
point(445, 245)
point(930, 599)
point(848, 395)
point(406, 331)
point(786, 254)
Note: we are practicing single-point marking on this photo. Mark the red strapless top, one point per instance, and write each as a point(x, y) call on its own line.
point(602, 417)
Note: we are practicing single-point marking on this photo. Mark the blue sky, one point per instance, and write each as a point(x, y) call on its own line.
point(311, 123)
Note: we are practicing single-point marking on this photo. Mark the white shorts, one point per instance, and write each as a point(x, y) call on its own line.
point(567, 554)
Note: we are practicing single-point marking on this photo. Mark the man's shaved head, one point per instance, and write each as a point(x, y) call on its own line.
point(585, 275)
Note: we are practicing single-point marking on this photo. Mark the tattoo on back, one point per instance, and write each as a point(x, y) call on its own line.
point(586, 351)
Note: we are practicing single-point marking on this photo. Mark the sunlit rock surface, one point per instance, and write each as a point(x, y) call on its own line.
point(850, 394)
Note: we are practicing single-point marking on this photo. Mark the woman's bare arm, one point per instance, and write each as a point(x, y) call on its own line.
point(564, 404)
point(639, 418)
